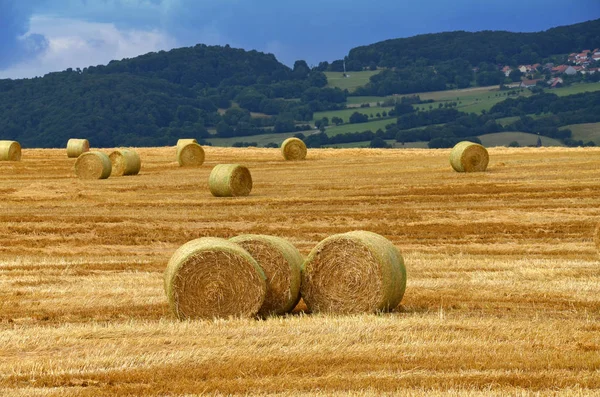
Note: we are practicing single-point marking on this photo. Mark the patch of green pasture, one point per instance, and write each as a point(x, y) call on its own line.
point(523, 138)
point(350, 83)
point(585, 132)
point(575, 89)
point(345, 114)
point(359, 127)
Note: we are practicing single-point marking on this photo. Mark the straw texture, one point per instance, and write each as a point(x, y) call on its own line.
point(597, 237)
point(76, 147)
point(353, 272)
point(293, 149)
point(125, 162)
point(190, 155)
point(227, 180)
point(214, 278)
point(93, 165)
point(469, 157)
point(184, 141)
point(282, 264)
point(10, 151)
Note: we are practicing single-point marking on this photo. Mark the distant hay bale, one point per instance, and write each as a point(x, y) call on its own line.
point(282, 264)
point(190, 155)
point(469, 157)
point(10, 151)
point(353, 272)
point(184, 141)
point(75, 147)
point(125, 162)
point(93, 165)
point(293, 149)
point(227, 180)
point(214, 278)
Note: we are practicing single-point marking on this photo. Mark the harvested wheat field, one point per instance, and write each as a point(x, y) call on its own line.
point(502, 297)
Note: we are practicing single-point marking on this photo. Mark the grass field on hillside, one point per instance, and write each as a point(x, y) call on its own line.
point(359, 127)
point(502, 296)
point(523, 138)
point(575, 89)
point(345, 114)
point(585, 132)
point(354, 79)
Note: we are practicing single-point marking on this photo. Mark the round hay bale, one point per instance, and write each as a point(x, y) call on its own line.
point(282, 264)
point(293, 149)
point(353, 272)
point(214, 278)
point(75, 147)
point(227, 180)
point(93, 165)
point(184, 141)
point(190, 155)
point(10, 151)
point(469, 157)
point(125, 162)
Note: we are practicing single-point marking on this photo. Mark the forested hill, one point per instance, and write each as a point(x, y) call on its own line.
point(154, 99)
point(498, 47)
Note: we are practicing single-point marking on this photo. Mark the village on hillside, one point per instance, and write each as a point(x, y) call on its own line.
point(585, 62)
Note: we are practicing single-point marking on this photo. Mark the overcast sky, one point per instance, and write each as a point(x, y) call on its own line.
point(41, 36)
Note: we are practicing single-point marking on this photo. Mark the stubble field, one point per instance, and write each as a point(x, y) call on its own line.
point(503, 292)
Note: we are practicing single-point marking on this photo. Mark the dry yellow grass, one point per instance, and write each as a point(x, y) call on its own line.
point(503, 292)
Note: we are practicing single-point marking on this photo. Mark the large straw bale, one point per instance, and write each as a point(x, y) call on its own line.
point(214, 278)
point(75, 147)
point(469, 157)
point(293, 149)
point(10, 151)
point(125, 162)
point(282, 264)
point(227, 180)
point(190, 155)
point(353, 272)
point(93, 165)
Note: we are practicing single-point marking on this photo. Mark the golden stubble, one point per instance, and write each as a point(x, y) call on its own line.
point(502, 294)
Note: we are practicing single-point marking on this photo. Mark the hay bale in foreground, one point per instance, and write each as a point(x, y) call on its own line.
point(190, 155)
point(293, 149)
point(353, 272)
point(76, 147)
point(227, 180)
point(469, 157)
point(282, 264)
point(10, 151)
point(125, 162)
point(214, 278)
point(93, 165)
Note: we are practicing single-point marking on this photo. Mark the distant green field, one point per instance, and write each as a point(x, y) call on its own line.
point(354, 79)
point(261, 140)
point(359, 127)
point(576, 89)
point(585, 132)
point(395, 145)
point(358, 100)
point(346, 113)
point(524, 139)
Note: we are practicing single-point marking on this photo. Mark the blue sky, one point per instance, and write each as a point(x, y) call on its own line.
point(41, 36)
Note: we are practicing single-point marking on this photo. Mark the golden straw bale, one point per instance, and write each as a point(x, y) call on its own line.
point(184, 141)
point(227, 180)
point(93, 165)
point(10, 151)
point(214, 278)
point(469, 157)
point(353, 272)
point(75, 147)
point(190, 155)
point(293, 149)
point(282, 264)
point(125, 162)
